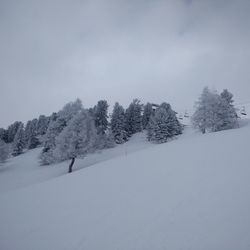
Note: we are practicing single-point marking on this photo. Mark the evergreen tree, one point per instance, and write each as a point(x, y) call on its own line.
point(231, 119)
point(12, 130)
point(91, 112)
point(227, 96)
point(19, 143)
point(118, 124)
point(203, 114)
point(3, 135)
point(33, 142)
point(225, 115)
point(161, 125)
point(214, 112)
point(53, 131)
point(110, 139)
point(101, 116)
point(147, 112)
point(27, 132)
point(105, 141)
point(4, 151)
point(42, 124)
point(77, 138)
point(150, 128)
point(133, 118)
point(30, 131)
point(52, 118)
point(174, 124)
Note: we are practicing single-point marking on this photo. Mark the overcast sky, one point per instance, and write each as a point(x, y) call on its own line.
point(52, 52)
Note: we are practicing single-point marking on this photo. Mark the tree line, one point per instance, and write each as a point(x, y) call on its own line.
point(75, 131)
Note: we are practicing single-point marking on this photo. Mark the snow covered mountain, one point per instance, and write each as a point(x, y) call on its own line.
point(190, 193)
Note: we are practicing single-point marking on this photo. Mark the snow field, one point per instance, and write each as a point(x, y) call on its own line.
point(190, 193)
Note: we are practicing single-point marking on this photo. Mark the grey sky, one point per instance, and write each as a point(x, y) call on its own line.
point(54, 51)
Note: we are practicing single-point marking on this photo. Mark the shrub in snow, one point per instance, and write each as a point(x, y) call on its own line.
point(4, 151)
point(77, 138)
point(118, 124)
point(214, 112)
point(19, 143)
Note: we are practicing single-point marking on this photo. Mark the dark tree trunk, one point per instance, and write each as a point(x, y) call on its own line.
point(71, 165)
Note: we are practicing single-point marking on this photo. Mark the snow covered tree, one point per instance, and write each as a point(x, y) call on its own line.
point(151, 127)
point(158, 129)
point(91, 112)
point(18, 143)
point(27, 131)
point(4, 151)
point(214, 112)
point(110, 139)
point(105, 141)
point(147, 112)
point(162, 125)
point(54, 129)
point(225, 114)
point(174, 124)
point(12, 130)
point(57, 123)
point(101, 116)
point(3, 135)
point(226, 95)
point(30, 132)
point(77, 138)
point(118, 124)
point(70, 110)
point(42, 124)
point(203, 114)
point(33, 142)
point(133, 118)
point(52, 118)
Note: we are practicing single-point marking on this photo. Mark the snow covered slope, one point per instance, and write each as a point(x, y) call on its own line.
point(191, 193)
point(25, 170)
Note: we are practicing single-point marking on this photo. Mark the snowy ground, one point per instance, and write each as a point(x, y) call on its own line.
point(25, 170)
point(191, 193)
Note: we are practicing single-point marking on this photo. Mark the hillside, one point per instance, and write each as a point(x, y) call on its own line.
point(190, 193)
point(25, 170)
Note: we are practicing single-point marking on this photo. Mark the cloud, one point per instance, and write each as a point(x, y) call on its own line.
point(54, 51)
